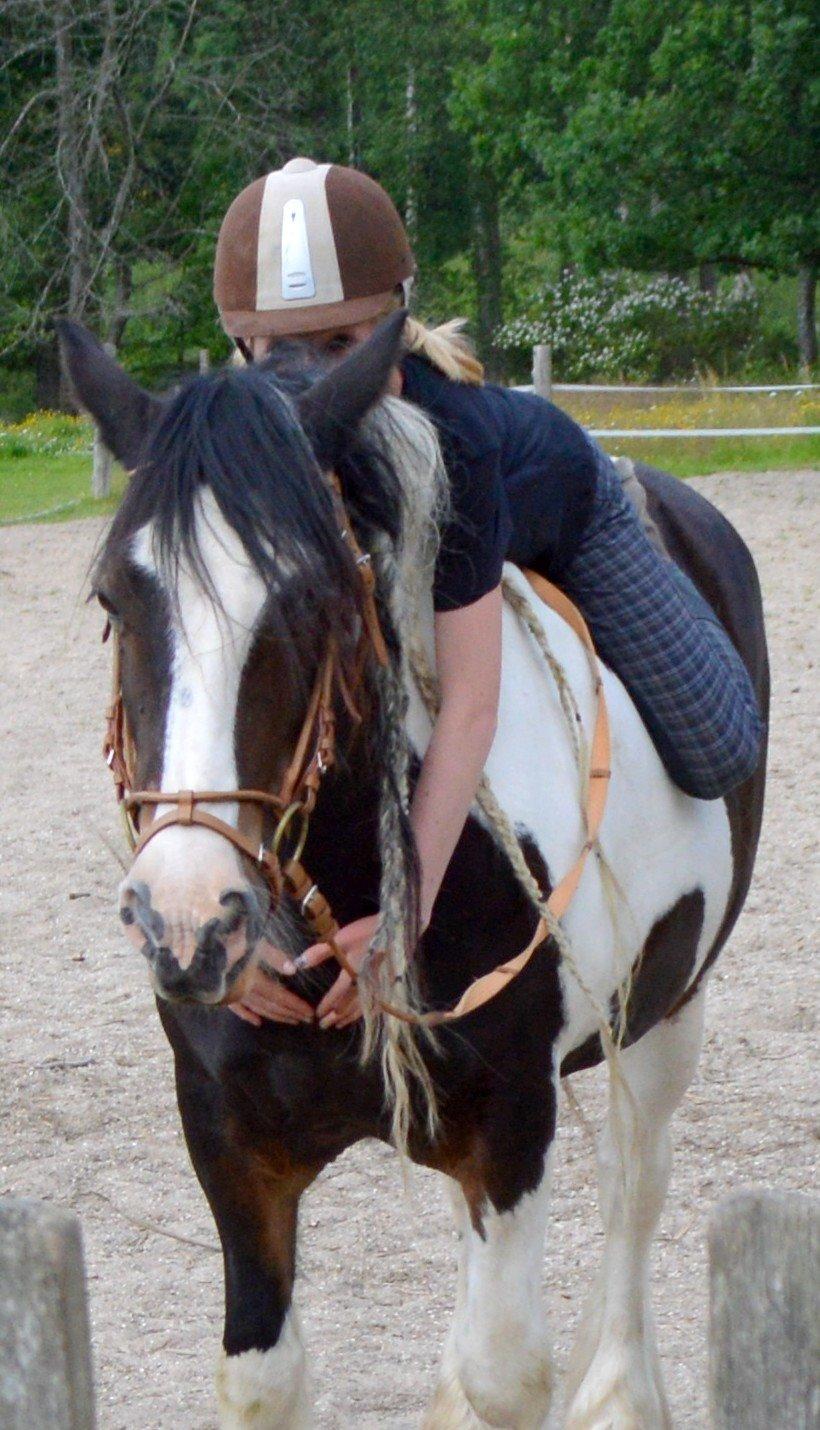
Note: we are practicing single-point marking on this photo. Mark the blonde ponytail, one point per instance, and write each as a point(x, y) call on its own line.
point(447, 348)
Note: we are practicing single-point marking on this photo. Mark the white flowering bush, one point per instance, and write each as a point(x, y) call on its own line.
point(627, 326)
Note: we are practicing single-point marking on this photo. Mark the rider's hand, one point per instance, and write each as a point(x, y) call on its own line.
point(265, 997)
point(340, 1005)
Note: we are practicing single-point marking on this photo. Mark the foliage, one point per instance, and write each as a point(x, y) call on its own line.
point(517, 137)
point(618, 323)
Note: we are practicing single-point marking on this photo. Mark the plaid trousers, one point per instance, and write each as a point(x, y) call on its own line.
point(657, 633)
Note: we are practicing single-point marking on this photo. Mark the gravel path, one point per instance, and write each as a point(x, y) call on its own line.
point(88, 1112)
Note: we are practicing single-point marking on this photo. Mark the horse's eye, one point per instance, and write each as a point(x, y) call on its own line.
point(110, 609)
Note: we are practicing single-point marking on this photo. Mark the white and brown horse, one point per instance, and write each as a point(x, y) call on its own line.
point(226, 578)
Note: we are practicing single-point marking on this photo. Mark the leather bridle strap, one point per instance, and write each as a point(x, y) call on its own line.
point(367, 576)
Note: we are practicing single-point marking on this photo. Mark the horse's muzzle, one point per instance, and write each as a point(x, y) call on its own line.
point(192, 959)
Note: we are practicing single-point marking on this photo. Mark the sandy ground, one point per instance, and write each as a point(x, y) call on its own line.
point(88, 1112)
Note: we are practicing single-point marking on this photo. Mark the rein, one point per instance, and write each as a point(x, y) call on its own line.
point(292, 806)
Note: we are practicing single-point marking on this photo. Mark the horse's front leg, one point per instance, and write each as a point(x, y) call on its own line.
point(497, 1368)
point(614, 1381)
point(261, 1381)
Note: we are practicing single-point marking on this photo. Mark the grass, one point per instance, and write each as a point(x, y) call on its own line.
point(45, 470)
point(45, 460)
point(703, 407)
point(698, 456)
point(51, 489)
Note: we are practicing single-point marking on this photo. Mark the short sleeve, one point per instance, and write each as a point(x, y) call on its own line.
point(475, 537)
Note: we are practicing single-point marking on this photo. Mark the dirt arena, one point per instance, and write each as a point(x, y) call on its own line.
point(88, 1113)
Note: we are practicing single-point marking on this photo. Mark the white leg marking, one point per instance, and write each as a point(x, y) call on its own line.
point(614, 1381)
point(266, 1390)
point(496, 1368)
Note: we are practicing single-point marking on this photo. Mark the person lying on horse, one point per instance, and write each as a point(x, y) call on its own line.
point(318, 252)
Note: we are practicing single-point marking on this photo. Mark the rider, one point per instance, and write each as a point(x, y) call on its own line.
point(318, 251)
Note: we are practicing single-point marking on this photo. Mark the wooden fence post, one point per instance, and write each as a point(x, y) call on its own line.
point(764, 1343)
point(45, 1347)
point(101, 458)
point(542, 369)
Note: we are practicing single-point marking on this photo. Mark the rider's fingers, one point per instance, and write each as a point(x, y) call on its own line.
point(350, 1013)
point(334, 996)
point(277, 996)
point(348, 1010)
point(311, 958)
point(246, 1015)
point(281, 1005)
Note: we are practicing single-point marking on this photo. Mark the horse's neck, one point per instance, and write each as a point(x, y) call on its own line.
point(342, 851)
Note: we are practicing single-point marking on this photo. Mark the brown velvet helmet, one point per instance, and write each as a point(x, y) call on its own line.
point(307, 247)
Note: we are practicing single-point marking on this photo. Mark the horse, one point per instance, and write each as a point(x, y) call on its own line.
point(228, 579)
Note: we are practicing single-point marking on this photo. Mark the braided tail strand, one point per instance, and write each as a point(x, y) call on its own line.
point(389, 973)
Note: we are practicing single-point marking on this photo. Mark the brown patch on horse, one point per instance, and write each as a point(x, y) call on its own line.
point(660, 977)
point(268, 1198)
point(707, 547)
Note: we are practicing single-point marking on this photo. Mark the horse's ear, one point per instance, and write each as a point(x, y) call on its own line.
point(123, 411)
point(333, 407)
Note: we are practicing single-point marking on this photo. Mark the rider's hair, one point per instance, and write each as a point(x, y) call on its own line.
point(447, 348)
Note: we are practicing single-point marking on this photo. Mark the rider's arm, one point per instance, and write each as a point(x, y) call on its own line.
point(468, 663)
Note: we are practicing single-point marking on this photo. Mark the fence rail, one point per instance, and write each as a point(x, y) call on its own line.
point(704, 431)
point(694, 389)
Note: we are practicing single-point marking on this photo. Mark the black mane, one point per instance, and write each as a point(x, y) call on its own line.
point(238, 432)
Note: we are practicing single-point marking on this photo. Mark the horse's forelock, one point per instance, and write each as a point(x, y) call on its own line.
point(236, 437)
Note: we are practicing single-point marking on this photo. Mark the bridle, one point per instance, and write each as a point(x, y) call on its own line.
point(280, 860)
point(314, 754)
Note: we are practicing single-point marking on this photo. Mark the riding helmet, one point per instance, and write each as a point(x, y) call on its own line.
point(307, 247)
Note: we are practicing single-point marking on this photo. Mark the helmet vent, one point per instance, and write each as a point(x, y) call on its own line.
point(297, 271)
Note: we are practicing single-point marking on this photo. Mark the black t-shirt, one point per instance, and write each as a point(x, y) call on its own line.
point(522, 477)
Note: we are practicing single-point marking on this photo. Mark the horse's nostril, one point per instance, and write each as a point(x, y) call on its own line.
point(136, 908)
point(240, 905)
point(172, 979)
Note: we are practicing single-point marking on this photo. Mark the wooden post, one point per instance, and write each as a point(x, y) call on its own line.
point(764, 1345)
point(45, 1346)
point(542, 370)
point(204, 360)
point(101, 469)
point(102, 459)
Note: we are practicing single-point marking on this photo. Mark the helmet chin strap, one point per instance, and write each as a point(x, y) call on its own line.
point(244, 348)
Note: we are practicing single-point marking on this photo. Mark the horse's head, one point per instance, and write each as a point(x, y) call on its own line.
point(226, 580)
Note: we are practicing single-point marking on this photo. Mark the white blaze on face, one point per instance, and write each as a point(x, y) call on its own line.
point(211, 641)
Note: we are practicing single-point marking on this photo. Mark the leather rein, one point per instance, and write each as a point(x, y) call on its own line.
point(280, 859)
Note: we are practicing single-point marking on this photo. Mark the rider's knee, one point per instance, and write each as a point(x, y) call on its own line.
point(717, 767)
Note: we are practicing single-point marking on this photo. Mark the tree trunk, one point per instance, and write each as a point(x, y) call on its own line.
point(352, 114)
point(411, 125)
point(69, 168)
point(708, 278)
point(487, 271)
point(806, 315)
point(123, 283)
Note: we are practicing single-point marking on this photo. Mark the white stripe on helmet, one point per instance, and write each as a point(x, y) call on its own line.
point(296, 254)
